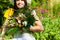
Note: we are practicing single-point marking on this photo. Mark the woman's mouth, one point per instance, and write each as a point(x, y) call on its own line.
point(19, 4)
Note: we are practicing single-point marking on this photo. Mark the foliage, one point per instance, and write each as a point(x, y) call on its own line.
point(51, 29)
point(4, 4)
point(50, 19)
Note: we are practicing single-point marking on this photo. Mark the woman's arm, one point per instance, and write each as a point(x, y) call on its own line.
point(39, 26)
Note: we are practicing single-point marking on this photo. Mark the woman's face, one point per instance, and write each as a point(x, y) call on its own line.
point(20, 3)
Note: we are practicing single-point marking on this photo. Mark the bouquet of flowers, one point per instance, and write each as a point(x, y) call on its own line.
point(17, 21)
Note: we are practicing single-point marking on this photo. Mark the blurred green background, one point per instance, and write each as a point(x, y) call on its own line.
point(48, 12)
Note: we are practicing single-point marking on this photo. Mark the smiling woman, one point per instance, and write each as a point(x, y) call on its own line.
point(22, 4)
point(22, 21)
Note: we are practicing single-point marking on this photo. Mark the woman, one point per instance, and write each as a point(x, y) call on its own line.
point(18, 4)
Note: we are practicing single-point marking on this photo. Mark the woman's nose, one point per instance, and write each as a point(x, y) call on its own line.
point(19, 0)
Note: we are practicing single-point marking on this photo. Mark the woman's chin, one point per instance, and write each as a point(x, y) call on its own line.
point(20, 7)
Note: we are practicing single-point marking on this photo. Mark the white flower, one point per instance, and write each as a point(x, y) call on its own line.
point(25, 23)
point(19, 21)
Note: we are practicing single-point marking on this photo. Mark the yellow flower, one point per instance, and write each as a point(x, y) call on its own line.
point(9, 12)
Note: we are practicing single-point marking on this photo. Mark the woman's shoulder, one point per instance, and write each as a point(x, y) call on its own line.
point(33, 12)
